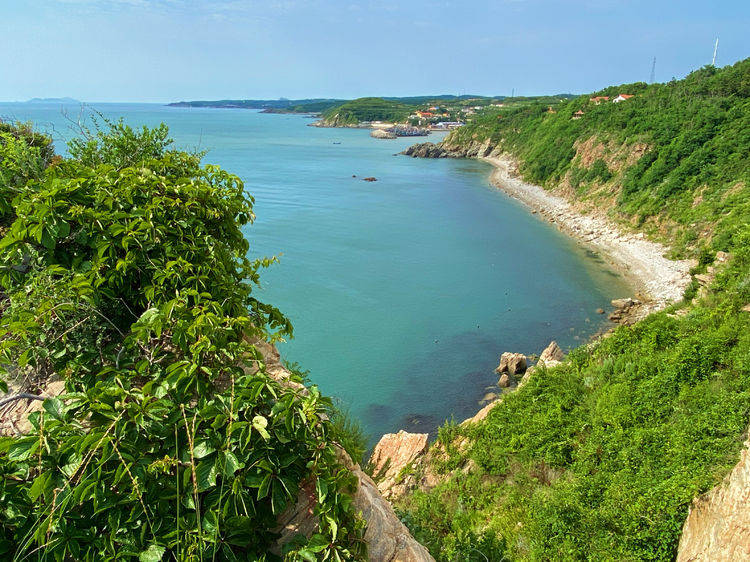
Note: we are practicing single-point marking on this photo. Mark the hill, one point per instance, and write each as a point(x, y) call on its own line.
point(366, 109)
point(599, 457)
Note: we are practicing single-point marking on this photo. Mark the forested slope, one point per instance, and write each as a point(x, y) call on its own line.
point(673, 159)
point(600, 457)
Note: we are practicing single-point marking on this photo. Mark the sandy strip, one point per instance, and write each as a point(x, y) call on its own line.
point(662, 281)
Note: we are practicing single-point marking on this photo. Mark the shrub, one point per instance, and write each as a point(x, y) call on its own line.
point(127, 276)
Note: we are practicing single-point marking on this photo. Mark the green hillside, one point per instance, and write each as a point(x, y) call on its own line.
point(367, 109)
point(599, 458)
point(694, 135)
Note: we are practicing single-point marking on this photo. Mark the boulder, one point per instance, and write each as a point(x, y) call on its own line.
point(394, 453)
point(624, 303)
point(504, 381)
point(512, 363)
point(551, 356)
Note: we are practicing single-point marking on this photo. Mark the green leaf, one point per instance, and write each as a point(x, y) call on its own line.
point(202, 449)
point(231, 464)
point(153, 553)
point(54, 407)
point(23, 448)
point(205, 473)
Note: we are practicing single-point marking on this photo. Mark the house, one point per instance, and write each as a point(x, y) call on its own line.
point(622, 97)
point(550, 110)
point(599, 99)
point(578, 114)
point(425, 114)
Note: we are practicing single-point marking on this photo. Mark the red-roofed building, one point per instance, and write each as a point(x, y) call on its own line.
point(578, 114)
point(622, 97)
point(599, 99)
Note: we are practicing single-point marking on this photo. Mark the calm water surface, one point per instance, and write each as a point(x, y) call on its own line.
point(403, 292)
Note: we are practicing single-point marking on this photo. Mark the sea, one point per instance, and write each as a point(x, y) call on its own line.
point(404, 291)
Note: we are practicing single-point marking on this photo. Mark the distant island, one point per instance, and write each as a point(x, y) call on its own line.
point(55, 100)
point(282, 105)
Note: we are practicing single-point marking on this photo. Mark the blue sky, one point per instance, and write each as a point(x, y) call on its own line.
point(165, 50)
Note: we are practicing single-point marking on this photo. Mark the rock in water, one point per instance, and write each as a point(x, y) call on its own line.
point(504, 381)
point(551, 356)
point(382, 134)
point(512, 363)
point(393, 453)
point(426, 150)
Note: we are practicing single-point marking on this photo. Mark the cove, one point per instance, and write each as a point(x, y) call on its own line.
point(403, 292)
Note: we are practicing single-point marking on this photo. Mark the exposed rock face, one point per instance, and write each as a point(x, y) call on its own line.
point(718, 525)
point(551, 356)
point(394, 453)
point(430, 150)
point(512, 363)
point(386, 537)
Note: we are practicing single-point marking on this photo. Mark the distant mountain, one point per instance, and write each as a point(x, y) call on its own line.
point(54, 100)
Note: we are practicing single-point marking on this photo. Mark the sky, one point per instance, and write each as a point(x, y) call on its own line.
point(171, 50)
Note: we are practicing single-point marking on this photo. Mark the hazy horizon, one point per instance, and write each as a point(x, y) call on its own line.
point(160, 51)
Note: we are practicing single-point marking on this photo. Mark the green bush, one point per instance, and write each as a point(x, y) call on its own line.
point(127, 277)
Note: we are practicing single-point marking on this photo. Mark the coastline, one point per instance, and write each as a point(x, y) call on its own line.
point(660, 281)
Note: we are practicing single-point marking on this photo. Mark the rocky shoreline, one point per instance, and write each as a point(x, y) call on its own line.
point(658, 281)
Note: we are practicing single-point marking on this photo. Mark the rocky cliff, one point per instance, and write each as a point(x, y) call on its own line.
point(717, 528)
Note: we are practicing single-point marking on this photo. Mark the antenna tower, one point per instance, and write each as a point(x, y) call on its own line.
point(716, 47)
point(653, 72)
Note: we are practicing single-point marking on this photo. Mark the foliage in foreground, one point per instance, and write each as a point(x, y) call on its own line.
point(124, 272)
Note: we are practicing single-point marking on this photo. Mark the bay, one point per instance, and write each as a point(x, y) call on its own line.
point(403, 292)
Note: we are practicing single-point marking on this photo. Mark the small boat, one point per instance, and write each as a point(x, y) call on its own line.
point(336, 142)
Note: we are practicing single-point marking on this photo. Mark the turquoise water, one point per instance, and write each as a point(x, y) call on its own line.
point(403, 292)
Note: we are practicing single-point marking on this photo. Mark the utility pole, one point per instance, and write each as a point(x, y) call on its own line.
point(716, 47)
point(653, 72)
